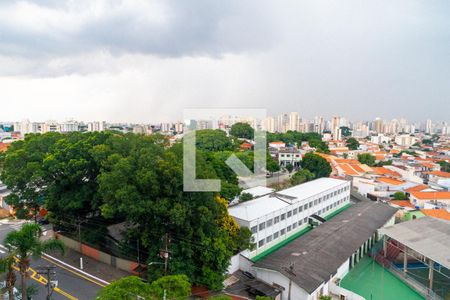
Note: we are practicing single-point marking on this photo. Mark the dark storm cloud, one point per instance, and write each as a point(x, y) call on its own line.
point(199, 27)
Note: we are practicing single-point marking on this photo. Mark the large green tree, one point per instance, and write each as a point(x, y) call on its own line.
point(301, 176)
point(23, 174)
point(146, 188)
point(366, 158)
point(352, 144)
point(132, 287)
point(242, 130)
point(25, 244)
point(213, 140)
point(316, 164)
point(7, 264)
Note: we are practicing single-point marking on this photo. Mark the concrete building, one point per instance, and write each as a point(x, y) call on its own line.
point(96, 126)
point(313, 264)
point(275, 217)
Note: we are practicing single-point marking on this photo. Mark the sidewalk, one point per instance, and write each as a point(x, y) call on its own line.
point(91, 266)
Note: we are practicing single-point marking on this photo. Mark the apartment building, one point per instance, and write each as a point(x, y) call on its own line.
point(277, 216)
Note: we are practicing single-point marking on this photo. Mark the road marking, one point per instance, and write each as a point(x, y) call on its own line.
point(2, 252)
point(1, 246)
point(42, 280)
point(73, 272)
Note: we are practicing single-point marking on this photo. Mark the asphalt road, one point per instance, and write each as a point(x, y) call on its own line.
point(72, 284)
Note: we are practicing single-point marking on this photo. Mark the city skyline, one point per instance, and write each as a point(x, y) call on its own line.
point(85, 59)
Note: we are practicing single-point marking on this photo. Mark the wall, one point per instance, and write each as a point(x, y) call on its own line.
point(119, 263)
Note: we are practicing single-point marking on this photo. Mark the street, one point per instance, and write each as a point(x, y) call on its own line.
point(72, 283)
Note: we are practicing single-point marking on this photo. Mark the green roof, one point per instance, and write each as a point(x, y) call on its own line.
point(371, 281)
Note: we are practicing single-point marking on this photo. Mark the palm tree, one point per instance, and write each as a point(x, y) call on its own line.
point(7, 265)
point(25, 243)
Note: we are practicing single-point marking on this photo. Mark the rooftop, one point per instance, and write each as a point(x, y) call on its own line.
point(427, 236)
point(440, 213)
point(431, 195)
point(319, 253)
point(440, 174)
point(253, 209)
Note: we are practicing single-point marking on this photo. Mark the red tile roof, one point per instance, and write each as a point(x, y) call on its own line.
point(441, 213)
point(431, 195)
point(440, 174)
point(402, 203)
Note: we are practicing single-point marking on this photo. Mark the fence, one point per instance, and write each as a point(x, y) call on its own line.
point(117, 262)
point(377, 254)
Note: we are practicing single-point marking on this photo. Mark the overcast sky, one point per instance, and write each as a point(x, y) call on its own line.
point(145, 61)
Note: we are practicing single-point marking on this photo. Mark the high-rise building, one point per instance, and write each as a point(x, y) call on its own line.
point(96, 126)
point(429, 127)
point(294, 121)
point(335, 123)
point(378, 125)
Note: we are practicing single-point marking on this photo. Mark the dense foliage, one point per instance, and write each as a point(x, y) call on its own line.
point(296, 138)
point(400, 196)
point(352, 144)
point(316, 164)
point(301, 176)
point(366, 158)
point(132, 287)
point(242, 130)
point(445, 166)
point(137, 179)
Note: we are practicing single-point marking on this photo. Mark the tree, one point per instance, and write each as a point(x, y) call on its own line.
point(173, 286)
point(352, 144)
point(317, 165)
point(23, 174)
point(7, 266)
point(126, 288)
point(366, 158)
point(145, 187)
point(213, 140)
point(25, 243)
point(289, 167)
point(242, 130)
point(445, 166)
point(245, 197)
point(301, 176)
point(220, 297)
point(263, 298)
point(346, 131)
point(400, 196)
point(325, 297)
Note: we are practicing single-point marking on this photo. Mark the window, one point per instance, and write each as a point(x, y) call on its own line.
point(289, 214)
point(283, 216)
point(269, 223)
point(294, 225)
point(254, 229)
point(310, 204)
point(320, 199)
point(282, 231)
point(269, 239)
point(261, 243)
point(315, 202)
point(294, 211)
point(262, 226)
point(305, 220)
point(289, 228)
point(300, 209)
point(275, 235)
point(300, 223)
point(276, 220)
point(305, 206)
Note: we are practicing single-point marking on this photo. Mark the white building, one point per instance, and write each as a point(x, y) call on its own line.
point(405, 140)
point(313, 264)
point(275, 217)
point(96, 126)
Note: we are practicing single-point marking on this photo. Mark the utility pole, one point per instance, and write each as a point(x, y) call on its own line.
point(48, 271)
point(165, 253)
point(80, 242)
point(290, 271)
